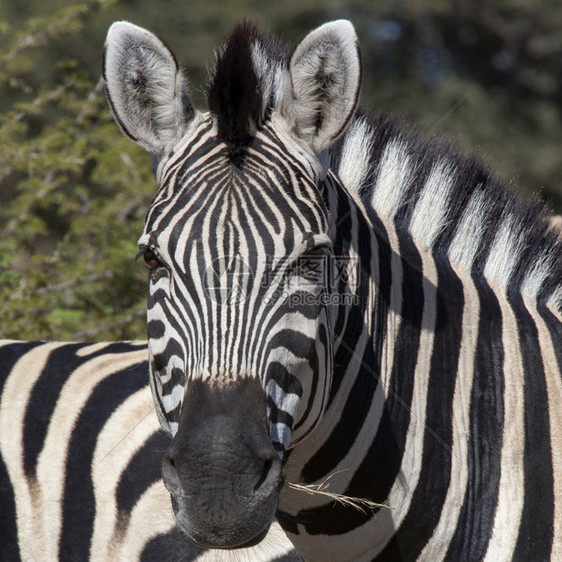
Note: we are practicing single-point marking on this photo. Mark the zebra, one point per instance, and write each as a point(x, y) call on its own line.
point(340, 303)
point(80, 451)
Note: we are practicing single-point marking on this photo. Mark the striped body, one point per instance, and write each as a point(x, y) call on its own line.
point(80, 475)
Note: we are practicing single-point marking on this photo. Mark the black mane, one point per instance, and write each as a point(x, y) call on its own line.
point(239, 93)
point(537, 241)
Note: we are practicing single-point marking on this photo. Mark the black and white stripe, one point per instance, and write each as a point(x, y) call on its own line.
point(463, 387)
point(421, 366)
point(189, 316)
point(80, 456)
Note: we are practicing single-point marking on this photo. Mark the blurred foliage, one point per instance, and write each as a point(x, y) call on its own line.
point(74, 190)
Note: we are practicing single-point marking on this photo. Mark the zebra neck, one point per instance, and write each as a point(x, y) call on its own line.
point(358, 308)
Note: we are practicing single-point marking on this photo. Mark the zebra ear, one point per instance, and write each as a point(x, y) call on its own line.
point(324, 82)
point(145, 88)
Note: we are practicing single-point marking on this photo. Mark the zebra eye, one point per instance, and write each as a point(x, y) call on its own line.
point(149, 258)
point(310, 266)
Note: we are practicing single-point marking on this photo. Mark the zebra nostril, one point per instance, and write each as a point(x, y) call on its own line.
point(265, 472)
point(169, 467)
point(170, 473)
point(270, 471)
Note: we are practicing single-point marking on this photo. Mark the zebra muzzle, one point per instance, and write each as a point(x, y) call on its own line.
point(221, 469)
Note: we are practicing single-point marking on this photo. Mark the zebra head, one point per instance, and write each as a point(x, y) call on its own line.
point(238, 244)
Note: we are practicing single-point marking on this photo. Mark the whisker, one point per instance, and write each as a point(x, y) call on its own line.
point(361, 504)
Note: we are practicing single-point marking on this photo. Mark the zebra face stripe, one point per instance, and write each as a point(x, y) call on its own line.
point(240, 275)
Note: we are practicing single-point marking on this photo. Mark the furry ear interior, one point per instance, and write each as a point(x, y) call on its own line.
point(324, 81)
point(145, 88)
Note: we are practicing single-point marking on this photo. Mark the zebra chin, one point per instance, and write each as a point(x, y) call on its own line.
point(219, 538)
point(221, 469)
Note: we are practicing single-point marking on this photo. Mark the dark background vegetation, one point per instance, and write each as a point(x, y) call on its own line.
point(73, 190)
